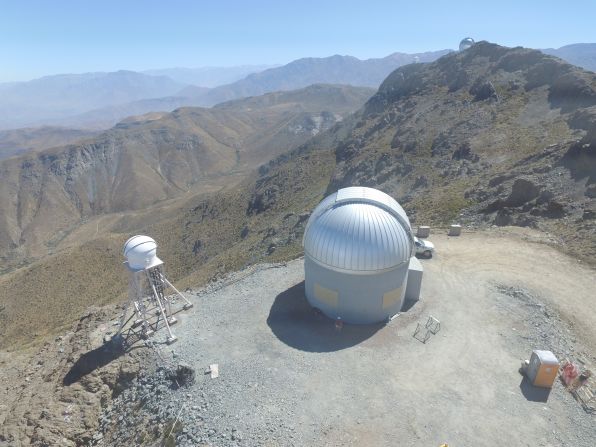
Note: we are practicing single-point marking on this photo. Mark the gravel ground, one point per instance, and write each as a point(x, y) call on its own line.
point(287, 377)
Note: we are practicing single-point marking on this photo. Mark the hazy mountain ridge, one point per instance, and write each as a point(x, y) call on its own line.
point(18, 141)
point(207, 76)
point(28, 108)
point(329, 70)
point(345, 70)
point(61, 96)
point(62, 100)
point(580, 54)
point(106, 117)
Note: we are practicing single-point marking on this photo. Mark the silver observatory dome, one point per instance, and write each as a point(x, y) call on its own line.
point(357, 246)
point(359, 230)
point(466, 43)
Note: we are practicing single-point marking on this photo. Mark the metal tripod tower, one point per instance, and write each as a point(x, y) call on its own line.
point(146, 290)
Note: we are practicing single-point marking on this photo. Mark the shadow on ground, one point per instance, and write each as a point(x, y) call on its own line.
point(92, 360)
point(533, 393)
point(110, 351)
point(300, 326)
point(408, 304)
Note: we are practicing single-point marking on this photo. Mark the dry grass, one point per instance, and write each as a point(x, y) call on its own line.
point(49, 295)
point(441, 206)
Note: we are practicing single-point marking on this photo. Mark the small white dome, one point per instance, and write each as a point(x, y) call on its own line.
point(360, 230)
point(141, 252)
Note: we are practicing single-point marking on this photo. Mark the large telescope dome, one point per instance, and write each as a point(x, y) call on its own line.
point(357, 248)
point(359, 229)
point(466, 43)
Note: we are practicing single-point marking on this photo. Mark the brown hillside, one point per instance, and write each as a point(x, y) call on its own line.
point(45, 196)
point(19, 141)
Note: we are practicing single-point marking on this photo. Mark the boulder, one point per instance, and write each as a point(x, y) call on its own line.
point(263, 200)
point(554, 210)
point(184, 375)
point(499, 179)
point(504, 217)
point(464, 152)
point(522, 191)
point(483, 90)
point(580, 159)
point(420, 182)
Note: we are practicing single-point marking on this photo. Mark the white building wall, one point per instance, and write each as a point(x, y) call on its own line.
point(355, 298)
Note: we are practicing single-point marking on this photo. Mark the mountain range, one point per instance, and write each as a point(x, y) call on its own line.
point(208, 76)
point(330, 70)
point(147, 159)
point(55, 99)
point(99, 100)
point(487, 136)
point(580, 54)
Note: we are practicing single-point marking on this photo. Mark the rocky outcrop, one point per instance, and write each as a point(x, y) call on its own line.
point(522, 192)
point(515, 126)
point(580, 159)
point(263, 200)
point(67, 384)
point(483, 90)
point(464, 152)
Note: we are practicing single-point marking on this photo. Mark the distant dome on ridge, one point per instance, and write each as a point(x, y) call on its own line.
point(466, 43)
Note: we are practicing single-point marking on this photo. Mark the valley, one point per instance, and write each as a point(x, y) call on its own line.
point(149, 159)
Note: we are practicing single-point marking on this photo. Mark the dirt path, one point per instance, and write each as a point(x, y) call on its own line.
point(513, 256)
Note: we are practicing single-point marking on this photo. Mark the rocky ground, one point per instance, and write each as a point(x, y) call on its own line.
point(287, 377)
point(54, 394)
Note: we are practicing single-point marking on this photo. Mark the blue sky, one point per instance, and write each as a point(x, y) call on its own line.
point(53, 36)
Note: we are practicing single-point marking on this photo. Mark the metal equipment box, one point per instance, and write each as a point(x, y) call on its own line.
point(543, 368)
point(423, 231)
point(414, 283)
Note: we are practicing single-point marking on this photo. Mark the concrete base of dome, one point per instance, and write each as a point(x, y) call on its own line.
point(355, 298)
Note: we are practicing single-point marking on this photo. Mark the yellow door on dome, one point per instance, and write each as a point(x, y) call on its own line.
point(327, 296)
